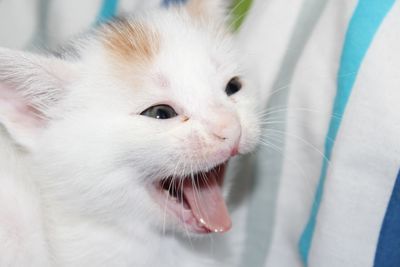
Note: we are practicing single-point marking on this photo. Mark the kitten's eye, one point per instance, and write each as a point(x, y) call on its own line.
point(161, 112)
point(233, 86)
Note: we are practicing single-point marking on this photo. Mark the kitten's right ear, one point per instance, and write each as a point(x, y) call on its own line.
point(29, 86)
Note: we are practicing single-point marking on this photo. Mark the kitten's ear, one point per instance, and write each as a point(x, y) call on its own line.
point(209, 9)
point(29, 86)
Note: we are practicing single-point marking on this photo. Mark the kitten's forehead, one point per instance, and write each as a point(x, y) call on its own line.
point(172, 53)
point(130, 41)
point(173, 36)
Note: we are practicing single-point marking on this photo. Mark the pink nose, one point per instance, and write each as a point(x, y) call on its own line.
point(226, 127)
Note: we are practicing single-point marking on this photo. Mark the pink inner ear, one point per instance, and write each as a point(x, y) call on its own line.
point(16, 110)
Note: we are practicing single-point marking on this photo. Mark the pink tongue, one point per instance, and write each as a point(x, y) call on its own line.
point(207, 204)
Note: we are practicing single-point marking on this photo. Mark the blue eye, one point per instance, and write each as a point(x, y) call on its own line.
point(233, 86)
point(161, 112)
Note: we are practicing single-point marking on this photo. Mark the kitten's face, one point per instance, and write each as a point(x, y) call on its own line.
point(158, 107)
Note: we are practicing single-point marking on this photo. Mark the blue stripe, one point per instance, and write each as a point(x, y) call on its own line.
point(107, 11)
point(388, 250)
point(169, 2)
point(363, 25)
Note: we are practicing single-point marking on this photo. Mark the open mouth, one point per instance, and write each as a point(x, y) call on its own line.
point(196, 200)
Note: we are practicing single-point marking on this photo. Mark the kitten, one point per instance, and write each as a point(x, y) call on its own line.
point(107, 149)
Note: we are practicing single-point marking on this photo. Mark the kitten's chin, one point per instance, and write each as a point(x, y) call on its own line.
point(194, 201)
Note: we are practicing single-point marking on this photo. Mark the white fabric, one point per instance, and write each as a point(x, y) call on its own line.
point(366, 154)
point(69, 18)
point(20, 19)
point(16, 32)
point(312, 91)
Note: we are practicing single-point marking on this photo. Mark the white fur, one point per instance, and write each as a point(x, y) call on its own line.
point(74, 182)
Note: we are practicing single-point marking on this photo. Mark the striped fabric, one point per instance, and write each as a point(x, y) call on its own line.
point(107, 11)
point(324, 188)
point(334, 93)
point(388, 249)
point(172, 2)
point(363, 25)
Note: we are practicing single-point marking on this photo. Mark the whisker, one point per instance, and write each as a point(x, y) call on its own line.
point(305, 142)
point(268, 112)
point(290, 160)
point(165, 206)
point(269, 129)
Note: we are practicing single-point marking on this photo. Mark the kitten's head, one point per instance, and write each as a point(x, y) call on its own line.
point(142, 123)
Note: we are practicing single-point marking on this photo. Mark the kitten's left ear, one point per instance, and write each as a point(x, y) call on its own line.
point(209, 9)
point(30, 86)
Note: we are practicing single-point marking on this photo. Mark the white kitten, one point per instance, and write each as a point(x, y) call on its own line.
point(104, 152)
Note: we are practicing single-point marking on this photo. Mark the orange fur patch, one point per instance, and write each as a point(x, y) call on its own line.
point(131, 41)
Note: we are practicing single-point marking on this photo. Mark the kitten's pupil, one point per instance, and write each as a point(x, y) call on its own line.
point(161, 112)
point(233, 86)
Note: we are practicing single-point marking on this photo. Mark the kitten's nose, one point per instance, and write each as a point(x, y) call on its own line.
point(226, 127)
